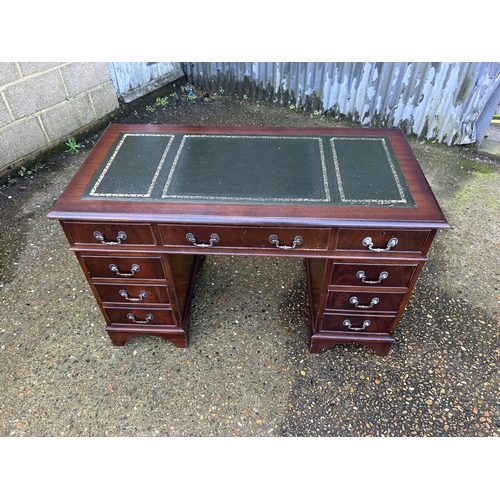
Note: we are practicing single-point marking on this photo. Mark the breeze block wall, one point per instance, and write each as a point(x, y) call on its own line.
point(44, 103)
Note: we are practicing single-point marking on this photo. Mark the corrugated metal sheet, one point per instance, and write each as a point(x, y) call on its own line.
point(440, 101)
point(135, 79)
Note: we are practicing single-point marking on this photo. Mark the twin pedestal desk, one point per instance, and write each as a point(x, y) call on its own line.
point(149, 200)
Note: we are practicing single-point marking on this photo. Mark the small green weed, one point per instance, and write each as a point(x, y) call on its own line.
point(161, 101)
point(72, 145)
point(23, 171)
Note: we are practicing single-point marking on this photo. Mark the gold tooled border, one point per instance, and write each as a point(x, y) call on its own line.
point(326, 198)
point(93, 191)
point(389, 160)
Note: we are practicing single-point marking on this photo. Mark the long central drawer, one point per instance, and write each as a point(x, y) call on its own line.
point(190, 236)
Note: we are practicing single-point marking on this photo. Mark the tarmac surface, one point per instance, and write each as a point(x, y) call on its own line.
point(248, 370)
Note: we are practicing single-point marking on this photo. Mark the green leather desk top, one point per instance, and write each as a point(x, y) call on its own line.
point(251, 169)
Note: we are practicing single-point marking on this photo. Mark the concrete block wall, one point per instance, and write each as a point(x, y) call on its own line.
point(44, 103)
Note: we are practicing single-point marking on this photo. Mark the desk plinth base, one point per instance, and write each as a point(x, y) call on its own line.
point(119, 336)
point(320, 341)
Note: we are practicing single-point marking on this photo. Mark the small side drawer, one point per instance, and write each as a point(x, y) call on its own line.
point(108, 233)
point(140, 316)
point(133, 294)
point(364, 301)
point(357, 323)
point(244, 237)
point(369, 275)
point(137, 268)
point(381, 240)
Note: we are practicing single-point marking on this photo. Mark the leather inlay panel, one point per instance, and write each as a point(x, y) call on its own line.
point(132, 166)
point(252, 169)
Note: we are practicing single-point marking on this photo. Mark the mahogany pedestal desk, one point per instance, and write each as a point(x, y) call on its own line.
point(149, 200)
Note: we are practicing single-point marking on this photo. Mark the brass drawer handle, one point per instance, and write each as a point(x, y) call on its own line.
point(119, 238)
point(124, 294)
point(350, 327)
point(373, 302)
point(275, 241)
point(362, 276)
point(214, 238)
point(367, 242)
point(149, 317)
point(135, 268)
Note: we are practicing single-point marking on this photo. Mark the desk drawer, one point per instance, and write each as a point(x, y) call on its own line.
point(140, 316)
point(244, 237)
point(381, 240)
point(364, 301)
point(127, 293)
point(357, 323)
point(108, 233)
point(135, 268)
point(370, 275)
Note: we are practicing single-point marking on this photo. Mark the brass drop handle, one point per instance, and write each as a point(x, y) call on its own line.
point(275, 241)
point(135, 268)
point(124, 294)
point(362, 276)
point(373, 302)
point(119, 238)
point(367, 242)
point(149, 317)
point(214, 238)
point(350, 327)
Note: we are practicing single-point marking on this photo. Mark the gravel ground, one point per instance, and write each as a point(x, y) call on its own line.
point(248, 371)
